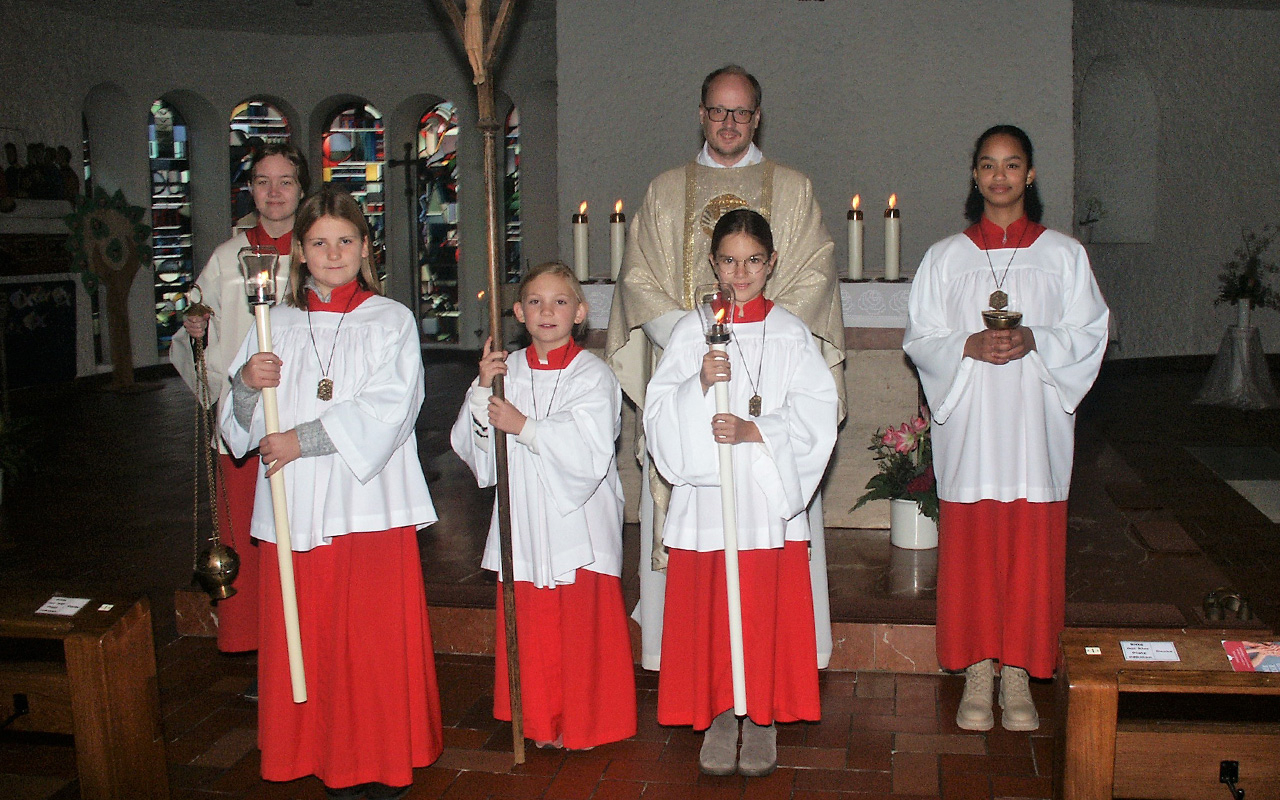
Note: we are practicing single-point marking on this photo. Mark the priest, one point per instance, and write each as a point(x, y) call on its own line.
point(666, 259)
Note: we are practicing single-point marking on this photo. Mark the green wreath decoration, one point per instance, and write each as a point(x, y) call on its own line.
point(95, 222)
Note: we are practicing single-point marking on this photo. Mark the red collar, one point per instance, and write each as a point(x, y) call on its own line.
point(258, 237)
point(753, 310)
point(344, 298)
point(556, 359)
point(987, 235)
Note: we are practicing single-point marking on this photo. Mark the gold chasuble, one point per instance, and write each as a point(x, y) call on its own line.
point(666, 260)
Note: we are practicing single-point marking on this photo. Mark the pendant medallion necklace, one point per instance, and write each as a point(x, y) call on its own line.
point(555, 387)
point(324, 389)
point(998, 299)
point(754, 406)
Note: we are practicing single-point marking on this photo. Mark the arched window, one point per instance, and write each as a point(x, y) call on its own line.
point(170, 218)
point(253, 124)
point(437, 233)
point(511, 195)
point(354, 159)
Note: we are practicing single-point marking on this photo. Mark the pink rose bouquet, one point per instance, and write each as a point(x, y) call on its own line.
point(905, 457)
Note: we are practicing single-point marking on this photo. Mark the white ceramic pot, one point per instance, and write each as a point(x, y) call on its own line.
point(908, 528)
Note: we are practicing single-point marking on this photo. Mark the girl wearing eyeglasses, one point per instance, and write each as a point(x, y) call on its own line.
point(782, 425)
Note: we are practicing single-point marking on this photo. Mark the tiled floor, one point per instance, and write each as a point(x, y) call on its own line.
point(107, 507)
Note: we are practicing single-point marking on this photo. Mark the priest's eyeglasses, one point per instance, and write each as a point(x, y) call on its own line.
point(740, 115)
point(753, 265)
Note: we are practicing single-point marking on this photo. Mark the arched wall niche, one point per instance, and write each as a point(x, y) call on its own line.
point(117, 125)
point(1117, 153)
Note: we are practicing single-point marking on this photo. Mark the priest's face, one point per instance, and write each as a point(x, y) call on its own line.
point(728, 139)
point(334, 251)
point(742, 262)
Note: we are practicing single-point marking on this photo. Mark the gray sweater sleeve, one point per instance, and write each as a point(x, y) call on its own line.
point(243, 399)
point(313, 440)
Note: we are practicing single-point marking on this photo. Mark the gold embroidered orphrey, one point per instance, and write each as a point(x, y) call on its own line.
point(707, 217)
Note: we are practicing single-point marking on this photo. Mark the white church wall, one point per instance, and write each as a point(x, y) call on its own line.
point(53, 59)
point(864, 98)
point(1212, 76)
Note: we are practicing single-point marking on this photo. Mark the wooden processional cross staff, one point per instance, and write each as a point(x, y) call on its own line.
point(482, 43)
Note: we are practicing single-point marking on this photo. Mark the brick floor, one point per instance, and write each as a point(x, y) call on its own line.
point(882, 735)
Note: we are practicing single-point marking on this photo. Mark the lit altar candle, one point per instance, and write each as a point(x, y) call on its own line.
point(617, 239)
point(580, 242)
point(892, 240)
point(855, 238)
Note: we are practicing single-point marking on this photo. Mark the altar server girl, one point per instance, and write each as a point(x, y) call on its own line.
point(783, 427)
point(348, 368)
point(1003, 405)
point(562, 409)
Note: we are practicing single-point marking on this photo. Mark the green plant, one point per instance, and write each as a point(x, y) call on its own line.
point(1247, 276)
point(904, 456)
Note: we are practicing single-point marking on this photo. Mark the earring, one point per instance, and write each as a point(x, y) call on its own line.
point(1028, 184)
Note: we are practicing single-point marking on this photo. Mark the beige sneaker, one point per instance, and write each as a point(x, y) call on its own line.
point(1018, 709)
point(974, 713)
point(719, 754)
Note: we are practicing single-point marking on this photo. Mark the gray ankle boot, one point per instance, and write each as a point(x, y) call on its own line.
point(719, 755)
point(759, 749)
point(974, 713)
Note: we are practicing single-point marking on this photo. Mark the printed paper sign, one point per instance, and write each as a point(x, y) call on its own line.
point(63, 606)
point(1149, 651)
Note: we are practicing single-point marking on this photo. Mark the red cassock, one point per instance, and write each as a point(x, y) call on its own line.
point(238, 614)
point(577, 676)
point(778, 641)
point(373, 708)
point(1001, 583)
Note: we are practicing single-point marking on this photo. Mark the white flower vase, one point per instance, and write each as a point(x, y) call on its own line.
point(908, 528)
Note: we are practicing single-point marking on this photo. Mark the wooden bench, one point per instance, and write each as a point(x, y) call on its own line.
point(1201, 718)
point(92, 675)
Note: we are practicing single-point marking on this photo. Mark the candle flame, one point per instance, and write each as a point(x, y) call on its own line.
point(617, 207)
point(582, 209)
point(857, 201)
point(893, 200)
point(480, 295)
point(264, 277)
point(720, 312)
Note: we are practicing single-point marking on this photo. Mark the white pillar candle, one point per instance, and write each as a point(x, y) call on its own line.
point(580, 243)
point(855, 239)
point(892, 240)
point(617, 239)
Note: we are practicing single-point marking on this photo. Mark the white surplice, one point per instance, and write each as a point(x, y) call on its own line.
point(1006, 432)
point(374, 481)
point(566, 496)
point(775, 480)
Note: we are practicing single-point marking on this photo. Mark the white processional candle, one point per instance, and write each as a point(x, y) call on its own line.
point(617, 239)
point(892, 240)
point(855, 239)
point(580, 243)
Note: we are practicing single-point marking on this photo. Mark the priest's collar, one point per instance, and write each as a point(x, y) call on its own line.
point(752, 157)
point(258, 237)
point(754, 310)
point(344, 298)
point(987, 235)
point(556, 359)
